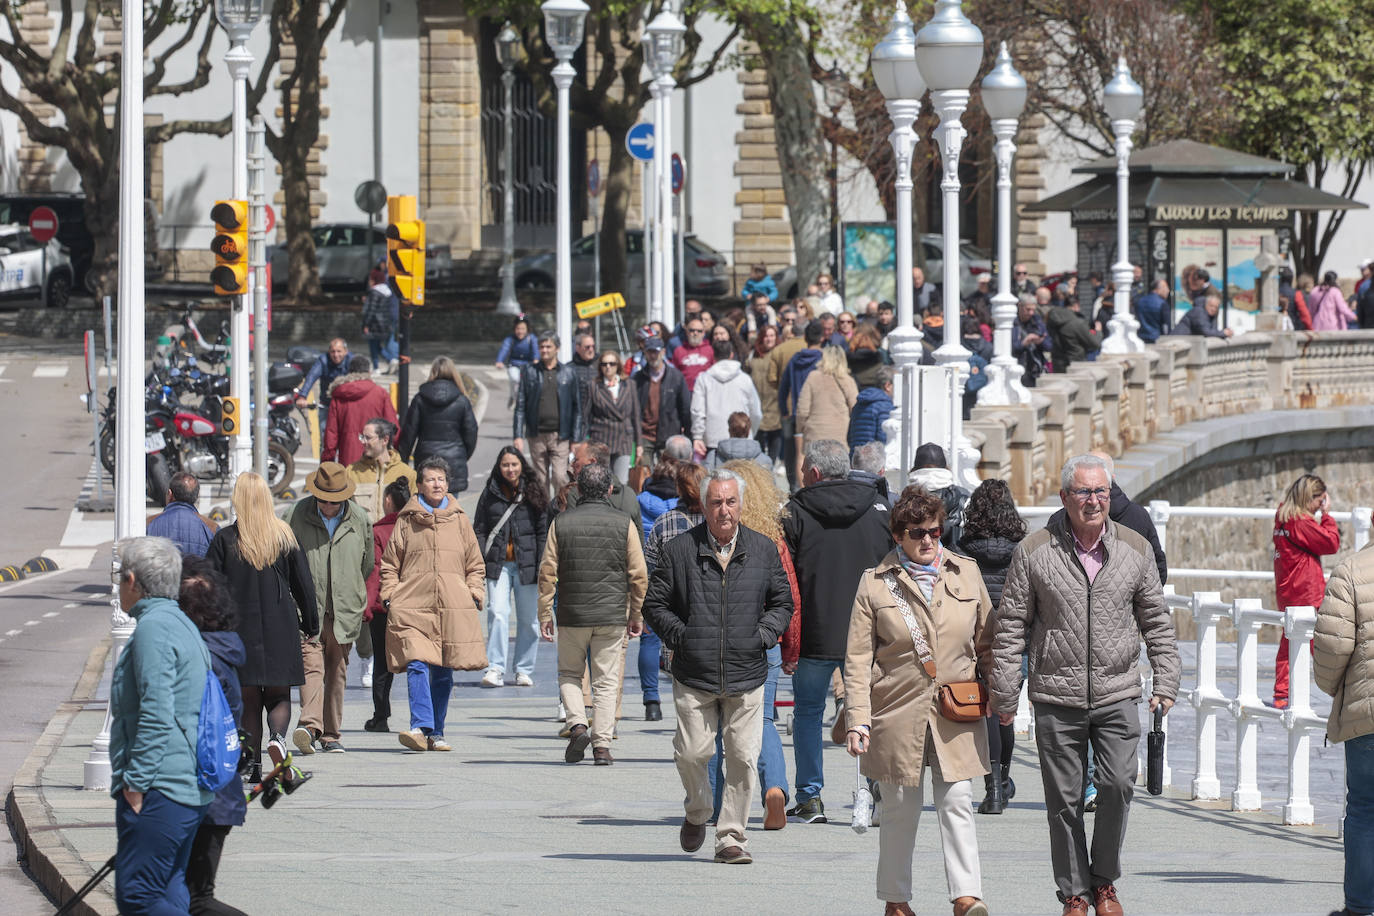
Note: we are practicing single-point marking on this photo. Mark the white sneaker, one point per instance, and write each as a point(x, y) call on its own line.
point(367, 672)
point(524, 680)
point(393, 366)
point(494, 679)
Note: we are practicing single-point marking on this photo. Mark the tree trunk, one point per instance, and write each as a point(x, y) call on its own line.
point(303, 272)
point(801, 149)
point(619, 176)
point(102, 221)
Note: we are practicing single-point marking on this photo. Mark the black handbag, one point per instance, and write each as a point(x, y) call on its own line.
point(1154, 755)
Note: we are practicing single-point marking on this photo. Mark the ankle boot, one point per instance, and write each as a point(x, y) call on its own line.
point(995, 802)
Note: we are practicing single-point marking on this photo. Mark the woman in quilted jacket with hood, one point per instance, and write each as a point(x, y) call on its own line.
point(1304, 532)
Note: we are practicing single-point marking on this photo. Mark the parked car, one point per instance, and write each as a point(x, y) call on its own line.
point(72, 234)
point(341, 251)
point(22, 267)
point(706, 271)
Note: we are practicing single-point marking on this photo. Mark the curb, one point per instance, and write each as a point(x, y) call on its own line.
point(53, 863)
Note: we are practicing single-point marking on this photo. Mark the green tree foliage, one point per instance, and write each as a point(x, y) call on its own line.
point(1298, 78)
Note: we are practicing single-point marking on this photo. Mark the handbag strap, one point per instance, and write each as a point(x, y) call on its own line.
point(505, 517)
point(917, 637)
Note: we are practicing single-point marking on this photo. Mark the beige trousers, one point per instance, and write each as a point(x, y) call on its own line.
point(322, 694)
point(603, 644)
point(740, 720)
point(901, 814)
point(549, 455)
point(620, 680)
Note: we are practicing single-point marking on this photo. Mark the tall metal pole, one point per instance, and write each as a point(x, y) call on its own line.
point(657, 311)
point(239, 60)
point(663, 151)
point(835, 206)
point(563, 74)
point(1004, 375)
point(130, 463)
point(904, 341)
point(257, 272)
point(376, 120)
point(1122, 334)
point(509, 305)
point(646, 245)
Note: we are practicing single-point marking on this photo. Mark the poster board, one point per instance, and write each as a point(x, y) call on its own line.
point(869, 263)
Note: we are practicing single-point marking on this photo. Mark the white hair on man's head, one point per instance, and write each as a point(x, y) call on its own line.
point(721, 475)
point(678, 447)
point(871, 457)
point(1083, 462)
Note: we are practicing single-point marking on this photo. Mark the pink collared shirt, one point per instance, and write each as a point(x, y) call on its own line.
point(1092, 557)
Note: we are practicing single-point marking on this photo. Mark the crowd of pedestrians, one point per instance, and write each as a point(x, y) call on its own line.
point(719, 500)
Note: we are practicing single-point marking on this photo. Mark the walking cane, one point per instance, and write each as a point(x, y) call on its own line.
point(86, 888)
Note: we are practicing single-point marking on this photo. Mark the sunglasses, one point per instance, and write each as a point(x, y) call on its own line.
point(846, 321)
point(917, 534)
point(612, 364)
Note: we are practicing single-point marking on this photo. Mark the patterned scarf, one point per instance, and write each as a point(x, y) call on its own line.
point(925, 576)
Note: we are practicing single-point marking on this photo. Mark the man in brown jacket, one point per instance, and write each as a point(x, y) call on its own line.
point(1343, 660)
point(1079, 597)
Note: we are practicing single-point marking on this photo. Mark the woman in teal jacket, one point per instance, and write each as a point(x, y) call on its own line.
point(155, 697)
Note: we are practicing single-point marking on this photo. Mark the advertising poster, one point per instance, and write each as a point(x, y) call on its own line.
point(1194, 249)
point(1242, 247)
point(870, 261)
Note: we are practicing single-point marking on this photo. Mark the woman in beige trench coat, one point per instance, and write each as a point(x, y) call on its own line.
point(892, 709)
point(432, 584)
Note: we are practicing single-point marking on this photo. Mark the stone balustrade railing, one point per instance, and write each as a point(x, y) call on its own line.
point(1126, 400)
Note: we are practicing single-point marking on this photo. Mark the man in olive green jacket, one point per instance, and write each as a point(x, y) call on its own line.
point(337, 539)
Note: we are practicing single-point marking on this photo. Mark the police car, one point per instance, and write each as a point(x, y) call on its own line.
point(22, 267)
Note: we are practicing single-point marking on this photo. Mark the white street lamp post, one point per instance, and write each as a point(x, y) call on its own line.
point(949, 50)
point(664, 36)
point(130, 520)
point(238, 17)
point(506, 41)
point(563, 22)
point(1004, 97)
point(1123, 102)
point(893, 63)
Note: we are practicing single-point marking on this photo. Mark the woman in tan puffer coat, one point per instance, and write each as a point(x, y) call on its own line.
point(1343, 655)
point(432, 585)
point(826, 400)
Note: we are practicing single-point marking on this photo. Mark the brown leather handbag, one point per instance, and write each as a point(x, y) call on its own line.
point(960, 701)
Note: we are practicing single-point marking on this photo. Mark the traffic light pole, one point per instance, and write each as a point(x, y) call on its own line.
point(239, 60)
point(257, 278)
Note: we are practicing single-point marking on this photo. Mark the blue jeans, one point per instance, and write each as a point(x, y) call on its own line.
point(499, 594)
point(383, 351)
point(1359, 824)
point(429, 687)
point(650, 651)
point(153, 849)
point(772, 763)
point(810, 687)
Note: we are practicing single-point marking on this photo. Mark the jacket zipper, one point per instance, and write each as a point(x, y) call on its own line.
point(1088, 660)
point(723, 624)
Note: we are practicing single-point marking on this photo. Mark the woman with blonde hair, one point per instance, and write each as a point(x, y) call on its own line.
point(1304, 532)
point(269, 580)
point(440, 423)
point(826, 400)
point(761, 508)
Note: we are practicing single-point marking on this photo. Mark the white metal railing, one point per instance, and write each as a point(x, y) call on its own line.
point(1245, 707)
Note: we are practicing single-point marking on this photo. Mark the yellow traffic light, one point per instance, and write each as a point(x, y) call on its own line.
point(405, 244)
point(230, 276)
point(229, 418)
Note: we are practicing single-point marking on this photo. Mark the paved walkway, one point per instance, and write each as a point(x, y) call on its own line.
point(503, 825)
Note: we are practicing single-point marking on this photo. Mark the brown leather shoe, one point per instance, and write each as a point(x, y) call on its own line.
point(734, 855)
point(601, 756)
point(691, 836)
point(970, 906)
point(1075, 906)
point(774, 809)
point(898, 909)
point(1105, 902)
point(578, 739)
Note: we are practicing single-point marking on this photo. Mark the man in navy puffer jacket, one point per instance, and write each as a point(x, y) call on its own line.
point(180, 523)
point(872, 408)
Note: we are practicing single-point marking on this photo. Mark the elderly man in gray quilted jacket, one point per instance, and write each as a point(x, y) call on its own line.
point(1080, 596)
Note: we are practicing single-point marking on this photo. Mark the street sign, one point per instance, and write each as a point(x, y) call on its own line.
point(640, 141)
point(43, 224)
point(593, 178)
point(370, 196)
point(679, 174)
point(271, 220)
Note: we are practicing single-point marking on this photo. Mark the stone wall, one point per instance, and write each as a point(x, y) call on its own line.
point(450, 128)
point(763, 231)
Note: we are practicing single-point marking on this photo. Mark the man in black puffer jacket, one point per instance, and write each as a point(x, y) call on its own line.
point(720, 600)
point(836, 528)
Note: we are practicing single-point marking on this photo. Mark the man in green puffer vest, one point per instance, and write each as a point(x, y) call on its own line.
point(594, 562)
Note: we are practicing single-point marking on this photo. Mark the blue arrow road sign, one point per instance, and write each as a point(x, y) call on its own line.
point(640, 141)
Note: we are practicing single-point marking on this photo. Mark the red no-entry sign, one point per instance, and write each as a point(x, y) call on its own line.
point(43, 224)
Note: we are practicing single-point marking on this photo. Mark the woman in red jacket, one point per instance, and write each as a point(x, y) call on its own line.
point(1301, 539)
point(394, 499)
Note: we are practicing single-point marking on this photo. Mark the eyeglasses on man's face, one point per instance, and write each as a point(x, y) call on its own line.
point(1084, 494)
